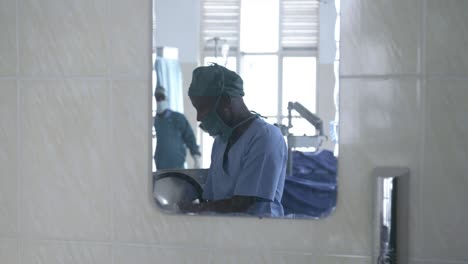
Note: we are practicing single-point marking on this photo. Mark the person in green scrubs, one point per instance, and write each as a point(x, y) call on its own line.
point(174, 135)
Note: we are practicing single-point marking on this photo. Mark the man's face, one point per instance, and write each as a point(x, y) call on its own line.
point(160, 97)
point(203, 105)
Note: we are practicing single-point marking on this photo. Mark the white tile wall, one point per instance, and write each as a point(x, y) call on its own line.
point(350, 37)
point(436, 261)
point(389, 36)
point(380, 37)
point(405, 117)
point(8, 158)
point(444, 194)
point(55, 252)
point(84, 156)
point(8, 49)
point(130, 43)
point(9, 250)
point(381, 120)
point(133, 213)
point(62, 37)
point(64, 142)
point(269, 257)
point(125, 254)
point(447, 37)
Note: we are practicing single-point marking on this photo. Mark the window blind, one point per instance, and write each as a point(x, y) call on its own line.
point(221, 19)
point(299, 24)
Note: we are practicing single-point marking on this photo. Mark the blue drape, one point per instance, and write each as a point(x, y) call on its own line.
point(169, 76)
point(311, 190)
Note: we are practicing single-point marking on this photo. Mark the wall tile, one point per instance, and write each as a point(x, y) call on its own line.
point(134, 215)
point(444, 181)
point(374, 40)
point(8, 48)
point(262, 256)
point(50, 252)
point(447, 37)
point(335, 260)
point(326, 108)
point(350, 37)
point(149, 255)
point(63, 37)
point(9, 251)
point(380, 126)
point(388, 46)
point(8, 158)
point(325, 236)
point(244, 256)
point(436, 261)
point(132, 56)
point(381, 117)
point(65, 153)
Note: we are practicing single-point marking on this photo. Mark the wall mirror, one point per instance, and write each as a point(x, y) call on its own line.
point(280, 164)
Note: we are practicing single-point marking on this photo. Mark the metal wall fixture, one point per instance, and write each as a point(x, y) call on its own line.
point(391, 215)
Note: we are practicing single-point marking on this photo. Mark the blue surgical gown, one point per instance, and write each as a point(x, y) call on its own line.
point(174, 135)
point(255, 166)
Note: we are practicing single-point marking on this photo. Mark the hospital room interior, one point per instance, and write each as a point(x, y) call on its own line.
point(233, 131)
point(290, 78)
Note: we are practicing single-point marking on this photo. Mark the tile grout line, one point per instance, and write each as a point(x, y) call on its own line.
point(149, 153)
point(420, 39)
point(406, 76)
point(19, 228)
point(381, 76)
point(424, 96)
point(71, 77)
point(112, 187)
point(435, 260)
point(175, 246)
point(19, 171)
point(420, 141)
point(17, 38)
point(109, 32)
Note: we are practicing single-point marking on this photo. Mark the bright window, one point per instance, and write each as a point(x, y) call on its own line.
point(259, 26)
point(299, 81)
point(260, 75)
point(273, 47)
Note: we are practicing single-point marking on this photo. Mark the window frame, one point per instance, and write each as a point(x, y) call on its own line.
point(281, 54)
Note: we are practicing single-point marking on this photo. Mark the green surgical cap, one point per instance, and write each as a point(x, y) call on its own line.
point(161, 90)
point(215, 80)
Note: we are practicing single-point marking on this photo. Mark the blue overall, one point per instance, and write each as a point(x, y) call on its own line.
point(174, 135)
point(255, 166)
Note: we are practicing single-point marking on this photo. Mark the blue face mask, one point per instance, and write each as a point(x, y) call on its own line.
point(215, 126)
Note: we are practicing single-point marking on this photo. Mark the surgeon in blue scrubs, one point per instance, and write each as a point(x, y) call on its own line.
point(248, 161)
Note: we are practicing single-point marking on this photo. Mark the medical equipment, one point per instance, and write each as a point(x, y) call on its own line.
point(172, 187)
point(296, 141)
point(220, 47)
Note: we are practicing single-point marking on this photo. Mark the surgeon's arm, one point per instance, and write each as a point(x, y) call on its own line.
point(189, 137)
point(236, 204)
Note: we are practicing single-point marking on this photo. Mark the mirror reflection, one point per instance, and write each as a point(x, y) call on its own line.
point(246, 109)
